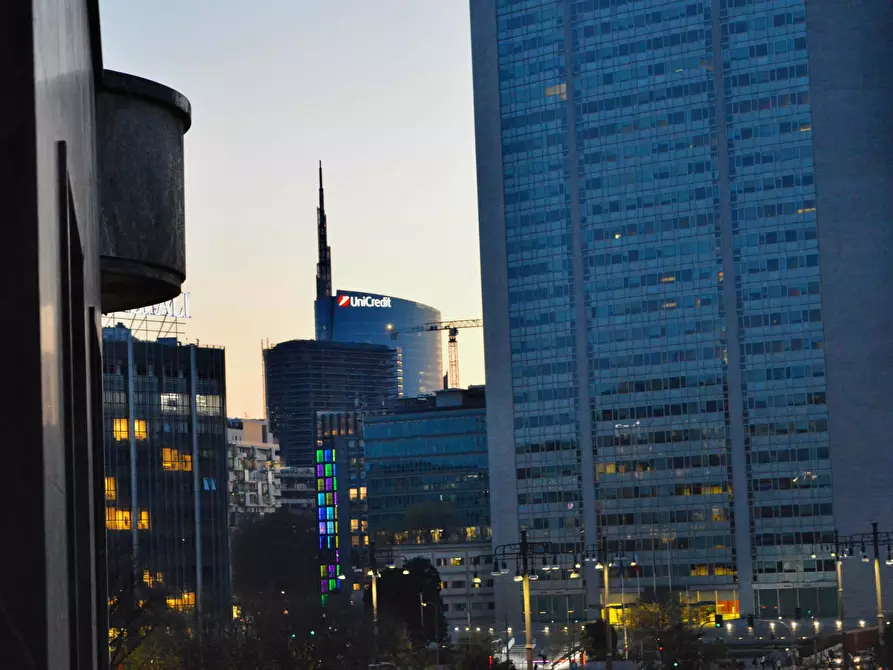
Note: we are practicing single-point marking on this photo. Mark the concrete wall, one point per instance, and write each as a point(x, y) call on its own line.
point(851, 47)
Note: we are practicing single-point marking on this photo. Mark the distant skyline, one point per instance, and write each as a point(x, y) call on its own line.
point(381, 93)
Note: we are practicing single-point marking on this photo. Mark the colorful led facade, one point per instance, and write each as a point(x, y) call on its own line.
point(327, 517)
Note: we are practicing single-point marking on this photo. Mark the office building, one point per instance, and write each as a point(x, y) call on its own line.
point(341, 500)
point(371, 318)
point(428, 495)
point(166, 468)
point(304, 377)
point(254, 480)
point(685, 264)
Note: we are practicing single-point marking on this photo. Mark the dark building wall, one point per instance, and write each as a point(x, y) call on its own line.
point(165, 404)
point(304, 377)
point(421, 352)
point(54, 603)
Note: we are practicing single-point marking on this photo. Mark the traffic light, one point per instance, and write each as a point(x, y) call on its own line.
point(750, 621)
point(798, 614)
point(717, 620)
point(491, 661)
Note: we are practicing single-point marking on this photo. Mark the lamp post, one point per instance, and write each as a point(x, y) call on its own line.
point(523, 553)
point(876, 538)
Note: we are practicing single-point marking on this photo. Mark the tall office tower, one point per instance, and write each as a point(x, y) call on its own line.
point(686, 251)
point(166, 470)
point(371, 318)
point(304, 377)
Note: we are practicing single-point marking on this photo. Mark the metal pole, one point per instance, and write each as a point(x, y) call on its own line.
point(374, 602)
point(609, 638)
point(528, 632)
point(422, 613)
point(839, 561)
point(877, 585)
point(623, 610)
point(437, 633)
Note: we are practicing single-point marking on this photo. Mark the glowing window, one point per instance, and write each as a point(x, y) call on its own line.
point(143, 522)
point(117, 519)
point(362, 493)
point(186, 601)
point(353, 494)
point(151, 580)
point(457, 561)
point(356, 587)
point(119, 429)
point(173, 460)
point(354, 524)
point(140, 429)
point(111, 488)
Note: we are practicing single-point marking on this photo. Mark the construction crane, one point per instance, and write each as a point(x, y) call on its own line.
point(452, 328)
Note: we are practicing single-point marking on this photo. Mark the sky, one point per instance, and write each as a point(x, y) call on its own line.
point(381, 93)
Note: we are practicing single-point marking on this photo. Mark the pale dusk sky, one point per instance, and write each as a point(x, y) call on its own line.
point(380, 91)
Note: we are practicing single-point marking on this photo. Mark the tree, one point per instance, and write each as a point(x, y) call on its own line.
point(138, 608)
point(475, 653)
point(596, 639)
point(398, 597)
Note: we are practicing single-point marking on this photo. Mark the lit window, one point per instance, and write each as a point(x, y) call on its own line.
point(353, 494)
point(362, 493)
point(143, 522)
point(151, 580)
point(119, 429)
point(172, 459)
point(457, 561)
point(356, 587)
point(558, 90)
point(111, 488)
point(185, 602)
point(354, 524)
point(117, 519)
point(140, 429)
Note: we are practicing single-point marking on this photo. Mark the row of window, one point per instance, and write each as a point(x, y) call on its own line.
point(664, 410)
point(773, 319)
point(642, 492)
point(669, 463)
point(791, 511)
point(662, 357)
point(716, 513)
point(697, 435)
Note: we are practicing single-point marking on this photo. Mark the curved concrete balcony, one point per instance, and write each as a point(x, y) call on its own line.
point(142, 237)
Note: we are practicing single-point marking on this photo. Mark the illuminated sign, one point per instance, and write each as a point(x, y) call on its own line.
point(362, 301)
point(178, 308)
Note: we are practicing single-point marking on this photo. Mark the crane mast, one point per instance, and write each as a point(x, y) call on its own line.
point(452, 328)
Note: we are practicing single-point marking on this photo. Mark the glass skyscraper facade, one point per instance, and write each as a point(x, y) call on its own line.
point(656, 305)
point(370, 318)
point(164, 407)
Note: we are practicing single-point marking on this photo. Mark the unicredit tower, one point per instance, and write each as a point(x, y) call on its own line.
point(372, 318)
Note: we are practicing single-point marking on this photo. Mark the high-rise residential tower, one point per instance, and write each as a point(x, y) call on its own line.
point(686, 252)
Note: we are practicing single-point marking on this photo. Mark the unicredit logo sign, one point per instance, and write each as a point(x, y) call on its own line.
point(362, 301)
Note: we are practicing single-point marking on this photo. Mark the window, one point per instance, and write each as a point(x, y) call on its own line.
point(173, 460)
point(117, 519)
point(353, 494)
point(362, 493)
point(140, 429)
point(143, 522)
point(151, 580)
point(119, 429)
point(457, 561)
point(111, 488)
point(356, 587)
point(185, 602)
point(354, 524)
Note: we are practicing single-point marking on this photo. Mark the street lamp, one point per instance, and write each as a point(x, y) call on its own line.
point(523, 553)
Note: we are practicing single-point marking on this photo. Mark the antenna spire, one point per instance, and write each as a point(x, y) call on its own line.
point(324, 266)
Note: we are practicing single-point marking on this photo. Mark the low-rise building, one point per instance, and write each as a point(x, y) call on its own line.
point(254, 480)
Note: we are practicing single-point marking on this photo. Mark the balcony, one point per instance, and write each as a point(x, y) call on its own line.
point(139, 144)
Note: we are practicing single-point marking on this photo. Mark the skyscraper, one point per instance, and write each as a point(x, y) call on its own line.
point(685, 254)
point(371, 318)
point(304, 377)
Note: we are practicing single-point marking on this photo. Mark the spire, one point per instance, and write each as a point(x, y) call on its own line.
point(324, 266)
